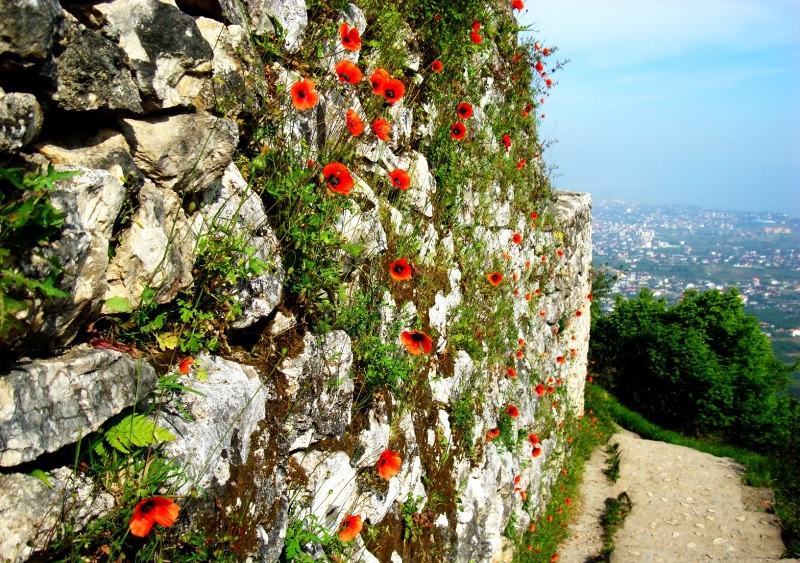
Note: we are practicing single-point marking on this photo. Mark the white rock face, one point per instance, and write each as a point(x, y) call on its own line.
point(362, 228)
point(156, 251)
point(21, 120)
point(423, 185)
point(232, 403)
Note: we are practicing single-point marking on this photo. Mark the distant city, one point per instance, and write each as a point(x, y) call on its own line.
point(669, 249)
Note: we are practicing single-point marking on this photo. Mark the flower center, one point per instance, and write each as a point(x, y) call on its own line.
point(397, 182)
point(418, 338)
point(390, 93)
point(147, 507)
point(301, 94)
point(398, 269)
point(334, 181)
point(344, 76)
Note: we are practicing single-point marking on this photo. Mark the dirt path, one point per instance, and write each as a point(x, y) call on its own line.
point(687, 506)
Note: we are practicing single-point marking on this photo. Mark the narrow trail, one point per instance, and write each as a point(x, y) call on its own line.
point(687, 506)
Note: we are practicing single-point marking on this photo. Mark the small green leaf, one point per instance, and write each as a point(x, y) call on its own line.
point(119, 304)
point(167, 341)
point(42, 476)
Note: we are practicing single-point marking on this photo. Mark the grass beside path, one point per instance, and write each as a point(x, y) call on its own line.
point(778, 473)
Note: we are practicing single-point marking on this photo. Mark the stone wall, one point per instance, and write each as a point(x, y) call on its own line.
point(127, 94)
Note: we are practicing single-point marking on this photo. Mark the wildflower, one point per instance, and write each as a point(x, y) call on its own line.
point(520, 354)
point(533, 439)
point(376, 80)
point(393, 89)
point(381, 127)
point(517, 479)
point(436, 66)
point(153, 510)
point(543, 116)
point(457, 131)
point(534, 215)
point(554, 558)
point(536, 47)
point(549, 518)
point(495, 278)
point(389, 464)
point(517, 4)
point(354, 123)
point(511, 372)
point(546, 51)
point(516, 238)
point(539, 66)
point(303, 94)
point(550, 389)
point(492, 434)
point(539, 389)
point(183, 367)
point(568, 501)
point(573, 352)
point(350, 527)
point(507, 142)
point(537, 451)
point(512, 411)
point(338, 178)
point(416, 342)
point(348, 72)
point(527, 297)
point(400, 179)
point(560, 252)
point(590, 378)
point(532, 528)
point(464, 110)
point(521, 163)
point(506, 256)
point(578, 313)
point(544, 258)
point(475, 37)
point(400, 270)
point(521, 342)
point(537, 291)
point(516, 276)
point(542, 313)
point(590, 297)
point(516, 292)
point(548, 82)
point(560, 360)
point(476, 25)
point(350, 38)
point(528, 265)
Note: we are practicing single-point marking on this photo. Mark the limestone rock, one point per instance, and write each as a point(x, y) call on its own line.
point(105, 149)
point(330, 488)
point(48, 404)
point(231, 403)
point(20, 120)
point(182, 152)
point(31, 513)
point(363, 229)
point(232, 209)
point(156, 251)
point(423, 184)
point(168, 55)
point(91, 73)
point(319, 385)
point(90, 202)
point(230, 92)
point(27, 32)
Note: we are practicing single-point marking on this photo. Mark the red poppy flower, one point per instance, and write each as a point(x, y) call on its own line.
point(534, 215)
point(376, 80)
point(457, 131)
point(475, 37)
point(153, 510)
point(525, 113)
point(476, 25)
point(548, 82)
point(546, 51)
point(389, 464)
point(517, 5)
point(558, 381)
point(550, 380)
point(590, 378)
point(544, 258)
point(539, 389)
point(551, 389)
point(381, 127)
point(560, 360)
point(183, 368)
point(492, 434)
point(507, 142)
point(578, 313)
point(400, 270)
point(516, 292)
point(354, 123)
point(436, 66)
point(350, 527)
point(464, 110)
point(590, 297)
point(560, 252)
point(520, 354)
point(536, 47)
point(521, 163)
point(310, 163)
point(521, 342)
point(517, 479)
point(516, 276)
point(516, 238)
point(392, 90)
point(338, 178)
point(542, 313)
point(350, 38)
point(303, 94)
point(573, 352)
point(400, 179)
point(512, 411)
point(495, 278)
point(527, 297)
point(554, 558)
point(511, 372)
point(416, 342)
point(537, 291)
point(537, 451)
point(533, 439)
point(568, 501)
point(348, 72)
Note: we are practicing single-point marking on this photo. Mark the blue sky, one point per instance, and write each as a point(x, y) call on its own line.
point(675, 101)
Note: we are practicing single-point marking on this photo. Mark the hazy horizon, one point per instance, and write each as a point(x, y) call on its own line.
point(688, 102)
